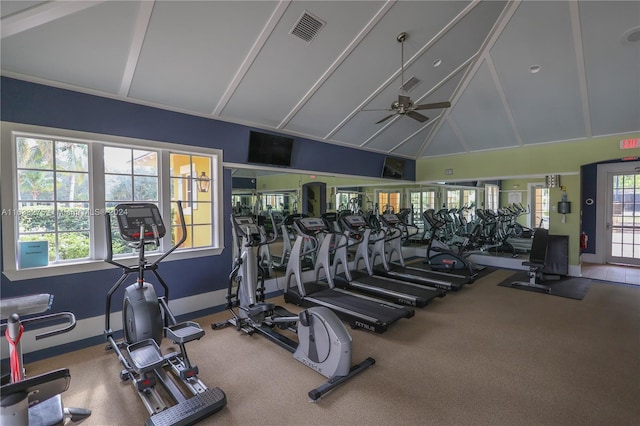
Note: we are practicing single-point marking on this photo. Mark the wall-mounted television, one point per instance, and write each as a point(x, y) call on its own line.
point(393, 168)
point(268, 149)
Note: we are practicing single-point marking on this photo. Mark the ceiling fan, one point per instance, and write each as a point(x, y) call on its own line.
point(404, 105)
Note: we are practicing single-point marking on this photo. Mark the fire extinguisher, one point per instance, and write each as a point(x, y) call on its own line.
point(584, 240)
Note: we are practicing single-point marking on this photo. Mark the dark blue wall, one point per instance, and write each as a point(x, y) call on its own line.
point(35, 104)
point(589, 190)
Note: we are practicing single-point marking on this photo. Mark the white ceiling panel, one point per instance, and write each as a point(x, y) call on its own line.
point(292, 63)
point(191, 53)
point(442, 143)
point(454, 48)
point(546, 106)
point(372, 63)
point(612, 65)
point(480, 114)
point(87, 49)
point(10, 7)
point(413, 144)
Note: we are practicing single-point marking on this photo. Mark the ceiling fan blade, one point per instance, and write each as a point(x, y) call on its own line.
point(435, 105)
point(386, 118)
point(417, 116)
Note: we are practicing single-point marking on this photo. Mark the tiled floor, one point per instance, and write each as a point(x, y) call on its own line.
point(615, 273)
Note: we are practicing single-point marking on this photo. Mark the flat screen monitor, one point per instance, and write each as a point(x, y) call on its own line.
point(393, 168)
point(272, 150)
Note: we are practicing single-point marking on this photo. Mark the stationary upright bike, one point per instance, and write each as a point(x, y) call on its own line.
point(324, 344)
point(36, 400)
point(146, 319)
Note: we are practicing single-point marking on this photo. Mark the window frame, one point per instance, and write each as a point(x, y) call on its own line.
point(8, 198)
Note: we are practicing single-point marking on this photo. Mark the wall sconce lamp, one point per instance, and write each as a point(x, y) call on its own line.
point(204, 182)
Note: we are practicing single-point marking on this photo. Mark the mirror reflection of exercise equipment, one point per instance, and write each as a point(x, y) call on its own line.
point(314, 199)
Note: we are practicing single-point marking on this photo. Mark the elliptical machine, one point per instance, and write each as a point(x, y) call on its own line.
point(440, 257)
point(146, 319)
point(324, 345)
point(35, 400)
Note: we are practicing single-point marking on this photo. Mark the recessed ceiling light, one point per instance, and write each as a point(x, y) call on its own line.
point(437, 63)
point(631, 36)
point(533, 69)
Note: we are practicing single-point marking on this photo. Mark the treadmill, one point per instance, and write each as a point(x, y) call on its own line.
point(398, 271)
point(394, 290)
point(358, 310)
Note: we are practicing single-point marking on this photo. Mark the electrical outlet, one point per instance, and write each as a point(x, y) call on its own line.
point(448, 172)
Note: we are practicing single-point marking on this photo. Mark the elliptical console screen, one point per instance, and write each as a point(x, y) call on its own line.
point(132, 216)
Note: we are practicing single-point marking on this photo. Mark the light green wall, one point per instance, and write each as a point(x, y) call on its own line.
point(541, 159)
point(564, 158)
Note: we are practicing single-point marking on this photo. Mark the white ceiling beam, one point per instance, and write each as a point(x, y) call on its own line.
point(484, 50)
point(139, 33)
point(336, 64)
point(582, 73)
point(40, 15)
point(273, 20)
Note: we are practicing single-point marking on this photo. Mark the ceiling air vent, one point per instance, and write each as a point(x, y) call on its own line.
point(307, 27)
point(410, 84)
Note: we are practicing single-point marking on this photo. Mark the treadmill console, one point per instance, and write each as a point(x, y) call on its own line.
point(311, 225)
point(132, 216)
point(390, 219)
point(354, 221)
point(246, 225)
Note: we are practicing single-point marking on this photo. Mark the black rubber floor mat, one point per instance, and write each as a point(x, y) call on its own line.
point(570, 287)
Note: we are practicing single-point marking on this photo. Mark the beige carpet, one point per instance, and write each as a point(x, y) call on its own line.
point(486, 355)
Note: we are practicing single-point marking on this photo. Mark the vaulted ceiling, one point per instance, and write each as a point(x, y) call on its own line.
point(516, 73)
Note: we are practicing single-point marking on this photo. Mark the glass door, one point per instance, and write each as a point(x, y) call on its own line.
point(539, 216)
point(623, 217)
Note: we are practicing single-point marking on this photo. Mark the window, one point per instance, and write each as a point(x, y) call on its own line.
point(129, 175)
point(389, 201)
point(186, 172)
point(540, 203)
point(52, 186)
point(421, 201)
point(57, 184)
point(492, 197)
point(348, 201)
point(453, 198)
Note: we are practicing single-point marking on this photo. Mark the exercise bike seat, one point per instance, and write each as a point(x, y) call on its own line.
point(184, 332)
point(43, 392)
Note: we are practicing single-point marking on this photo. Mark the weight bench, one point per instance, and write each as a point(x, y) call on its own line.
point(548, 260)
